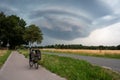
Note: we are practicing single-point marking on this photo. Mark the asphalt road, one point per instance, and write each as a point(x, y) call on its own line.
point(17, 68)
point(113, 64)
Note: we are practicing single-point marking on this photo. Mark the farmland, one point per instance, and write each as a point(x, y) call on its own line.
point(2, 52)
point(97, 53)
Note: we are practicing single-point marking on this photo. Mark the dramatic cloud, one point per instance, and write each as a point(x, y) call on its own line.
point(63, 23)
point(67, 21)
point(106, 20)
point(108, 35)
point(8, 10)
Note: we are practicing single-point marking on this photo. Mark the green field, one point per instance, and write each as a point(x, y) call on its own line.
point(4, 57)
point(73, 69)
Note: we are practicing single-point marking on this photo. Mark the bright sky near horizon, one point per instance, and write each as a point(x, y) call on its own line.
point(87, 22)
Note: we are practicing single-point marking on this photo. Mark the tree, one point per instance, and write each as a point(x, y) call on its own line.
point(33, 34)
point(11, 30)
point(118, 47)
point(14, 32)
point(101, 47)
point(2, 19)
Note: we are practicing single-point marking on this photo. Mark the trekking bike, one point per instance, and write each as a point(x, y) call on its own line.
point(34, 62)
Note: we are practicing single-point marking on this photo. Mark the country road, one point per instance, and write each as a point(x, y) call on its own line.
point(113, 64)
point(17, 68)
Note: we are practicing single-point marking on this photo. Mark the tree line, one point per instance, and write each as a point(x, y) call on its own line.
point(14, 32)
point(80, 46)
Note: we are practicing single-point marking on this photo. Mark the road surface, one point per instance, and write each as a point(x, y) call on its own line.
point(113, 64)
point(17, 68)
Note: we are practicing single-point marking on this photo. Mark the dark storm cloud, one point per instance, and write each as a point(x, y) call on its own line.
point(81, 28)
point(40, 13)
point(67, 19)
point(71, 32)
point(62, 29)
point(7, 10)
point(65, 35)
point(94, 7)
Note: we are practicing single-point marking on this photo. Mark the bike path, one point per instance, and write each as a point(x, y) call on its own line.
point(17, 68)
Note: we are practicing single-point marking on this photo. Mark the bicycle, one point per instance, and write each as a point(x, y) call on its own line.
point(34, 62)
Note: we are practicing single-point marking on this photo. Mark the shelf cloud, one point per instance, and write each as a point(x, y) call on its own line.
point(66, 20)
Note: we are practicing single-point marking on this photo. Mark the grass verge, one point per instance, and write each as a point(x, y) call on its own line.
point(106, 55)
point(4, 57)
point(73, 69)
point(24, 52)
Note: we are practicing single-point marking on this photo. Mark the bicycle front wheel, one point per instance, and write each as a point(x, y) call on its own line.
point(36, 65)
point(30, 64)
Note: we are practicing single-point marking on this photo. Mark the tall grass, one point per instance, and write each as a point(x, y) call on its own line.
point(25, 52)
point(4, 57)
point(74, 69)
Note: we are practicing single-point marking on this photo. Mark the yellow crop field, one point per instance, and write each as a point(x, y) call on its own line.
point(84, 51)
point(2, 52)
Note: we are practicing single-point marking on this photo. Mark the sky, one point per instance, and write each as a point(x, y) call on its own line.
point(87, 22)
